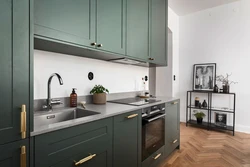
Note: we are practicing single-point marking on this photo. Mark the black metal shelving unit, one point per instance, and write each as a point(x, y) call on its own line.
point(209, 125)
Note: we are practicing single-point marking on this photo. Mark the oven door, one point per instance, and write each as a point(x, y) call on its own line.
point(153, 134)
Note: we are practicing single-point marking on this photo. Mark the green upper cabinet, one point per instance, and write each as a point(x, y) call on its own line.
point(127, 140)
point(172, 129)
point(66, 21)
point(14, 67)
point(138, 29)
point(158, 31)
point(111, 25)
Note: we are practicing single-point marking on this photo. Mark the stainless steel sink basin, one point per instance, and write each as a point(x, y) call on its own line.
point(61, 116)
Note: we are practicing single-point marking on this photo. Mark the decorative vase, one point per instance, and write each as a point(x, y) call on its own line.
point(204, 104)
point(99, 98)
point(196, 102)
point(216, 89)
point(226, 88)
point(199, 120)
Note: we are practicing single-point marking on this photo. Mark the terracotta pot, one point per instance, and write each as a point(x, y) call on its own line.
point(99, 98)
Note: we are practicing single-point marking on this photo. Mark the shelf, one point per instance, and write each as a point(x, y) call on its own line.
point(211, 92)
point(197, 108)
point(222, 110)
point(194, 122)
point(211, 125)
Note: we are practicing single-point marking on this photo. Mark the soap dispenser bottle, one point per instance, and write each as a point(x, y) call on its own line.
point(73, 98)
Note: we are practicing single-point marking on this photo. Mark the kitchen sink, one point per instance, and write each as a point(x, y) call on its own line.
point(61, 116)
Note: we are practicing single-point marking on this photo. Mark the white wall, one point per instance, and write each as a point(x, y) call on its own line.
point(74, 71)
point(219, 35)
point(162, 73)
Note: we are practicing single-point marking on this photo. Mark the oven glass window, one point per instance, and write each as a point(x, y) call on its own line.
point(152, 136)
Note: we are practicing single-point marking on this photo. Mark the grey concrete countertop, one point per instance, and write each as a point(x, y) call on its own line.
point(107, 110)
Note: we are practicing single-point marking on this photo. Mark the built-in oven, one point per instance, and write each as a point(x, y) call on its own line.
point(153, 129)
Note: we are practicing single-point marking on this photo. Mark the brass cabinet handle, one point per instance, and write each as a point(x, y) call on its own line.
point(174, 103)
point(175, 141)
point(23, 122)
point(151, 58)
point(23, 157)
point(99, 45)
point(93, 44)
point(132, 116)
point(85, 159)
point(157, 156)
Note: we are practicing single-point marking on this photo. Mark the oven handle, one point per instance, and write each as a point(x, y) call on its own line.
point(155, 118)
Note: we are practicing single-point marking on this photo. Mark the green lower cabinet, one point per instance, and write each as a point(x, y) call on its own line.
point(154, 160)
point(87, 145)
point(127, 140)
point(15, 154)
point(172, 126)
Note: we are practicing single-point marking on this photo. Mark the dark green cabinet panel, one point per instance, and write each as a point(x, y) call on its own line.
point(111, 25)
point(138, 29)
point(155, 159)
point(127, 140)
point(172, 135)
point(11, 154)
point(65, 20)
point(64, 147)
point(14, 66)
point(158, 31)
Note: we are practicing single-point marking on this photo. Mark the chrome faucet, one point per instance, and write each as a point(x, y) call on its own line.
point(50, 101)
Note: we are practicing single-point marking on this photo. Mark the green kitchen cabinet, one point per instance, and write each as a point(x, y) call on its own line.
point(172, 127)
point(86, 145)
point(110, 26)
point(15, 154)
point(155, 159)
point(127, 140)
point(138, 29)
point(158, 31)
point(14, 70)
point(66, 21)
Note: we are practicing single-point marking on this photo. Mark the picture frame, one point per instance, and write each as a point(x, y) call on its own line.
point(220, 120)
point(204, 77)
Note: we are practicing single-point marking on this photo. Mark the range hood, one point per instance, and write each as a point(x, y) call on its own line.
point(127, 61)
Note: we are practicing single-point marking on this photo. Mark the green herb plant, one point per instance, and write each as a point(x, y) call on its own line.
point(99, 89)
point(199, 114)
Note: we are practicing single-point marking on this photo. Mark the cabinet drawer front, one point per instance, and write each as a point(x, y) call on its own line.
point(127, 116)
point(171, 145)
point(155, 159)
point(58, 146)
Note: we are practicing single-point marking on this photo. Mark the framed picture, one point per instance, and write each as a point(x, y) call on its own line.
point(220, 119)
point(204, 77)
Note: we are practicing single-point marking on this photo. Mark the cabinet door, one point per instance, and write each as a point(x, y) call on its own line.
point(64, 148)
point(127, 139)
point(65, 20)
point(138, 29)
point(158, 31)
point(14, 66)
point(13, 154)
point(172, 127)
point(111, 25)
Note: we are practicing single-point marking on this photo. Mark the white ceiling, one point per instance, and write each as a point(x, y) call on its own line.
point(184, 7)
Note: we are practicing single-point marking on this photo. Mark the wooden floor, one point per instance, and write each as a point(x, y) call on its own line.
point(202, 148)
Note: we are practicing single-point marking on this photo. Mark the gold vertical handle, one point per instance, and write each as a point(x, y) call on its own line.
point(23, 122)
point(132, 116)
point(23, 157)
point(157, 156)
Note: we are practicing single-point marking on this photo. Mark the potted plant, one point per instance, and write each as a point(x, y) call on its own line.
point(225, 82)
point(199, 116)
point(99, 94)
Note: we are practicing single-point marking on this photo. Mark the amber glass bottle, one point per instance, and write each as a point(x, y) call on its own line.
point(73, 98)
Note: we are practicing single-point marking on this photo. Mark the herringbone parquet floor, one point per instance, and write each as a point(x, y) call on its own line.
point(202, 148)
